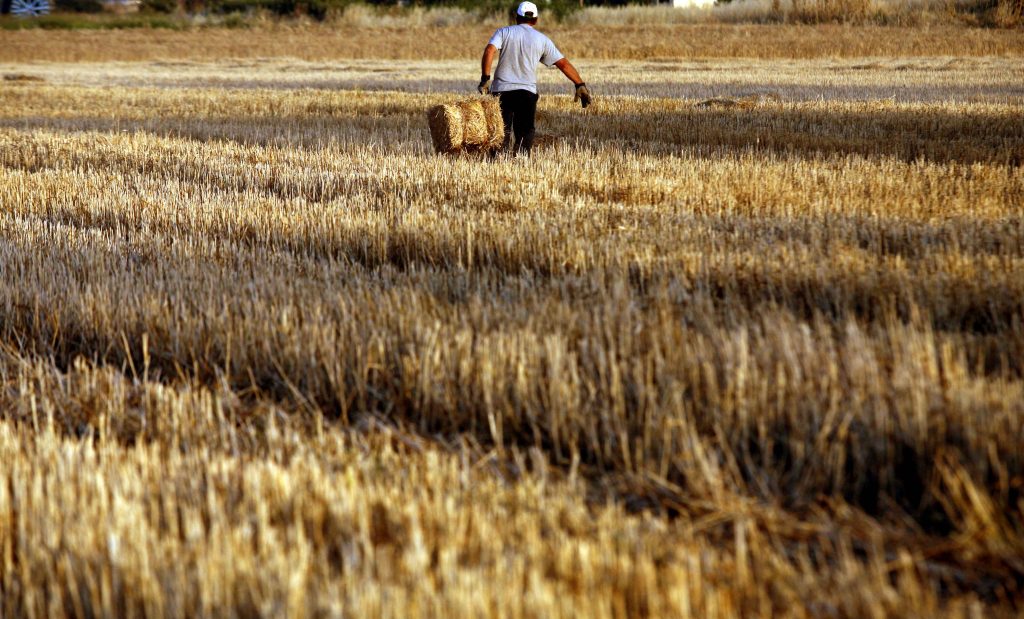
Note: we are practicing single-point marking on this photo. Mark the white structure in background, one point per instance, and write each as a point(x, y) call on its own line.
point(38, 8)
point(28, 8)
point(686, 4)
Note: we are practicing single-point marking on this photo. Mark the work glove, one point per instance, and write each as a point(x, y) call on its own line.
point(582, 95)
point(485, 80)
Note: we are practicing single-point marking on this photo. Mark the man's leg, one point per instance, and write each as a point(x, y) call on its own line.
point(524, 120)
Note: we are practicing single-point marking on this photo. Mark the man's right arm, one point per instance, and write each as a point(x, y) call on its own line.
point(485, 68)
point(487, 60)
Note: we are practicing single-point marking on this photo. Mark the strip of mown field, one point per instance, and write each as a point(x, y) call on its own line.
point(466, 42)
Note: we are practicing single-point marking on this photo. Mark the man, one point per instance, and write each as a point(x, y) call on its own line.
point(515, 80)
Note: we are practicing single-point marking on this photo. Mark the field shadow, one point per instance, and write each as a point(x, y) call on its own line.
point(312, 132)
point(654, 89)
point(931, 135)
point(797, 92)
point(939, 136)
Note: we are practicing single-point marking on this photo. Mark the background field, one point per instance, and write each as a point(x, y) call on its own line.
point(596, 41)
point(743, 339)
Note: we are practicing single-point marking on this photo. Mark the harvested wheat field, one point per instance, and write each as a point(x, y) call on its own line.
point(744, 339)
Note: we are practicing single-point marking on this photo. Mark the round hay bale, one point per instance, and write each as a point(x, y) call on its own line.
point(474, 123)
point(495, 124)
point(446, 128)
point(471, 124)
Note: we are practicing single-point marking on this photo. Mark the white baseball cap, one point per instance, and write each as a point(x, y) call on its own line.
point(527, 9)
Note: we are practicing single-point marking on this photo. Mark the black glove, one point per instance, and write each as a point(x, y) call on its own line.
point(484, 81)
point(582, 95)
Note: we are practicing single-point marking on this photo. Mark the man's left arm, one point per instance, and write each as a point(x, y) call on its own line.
point(582, 93)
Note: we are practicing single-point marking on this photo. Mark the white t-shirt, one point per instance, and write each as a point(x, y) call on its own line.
point(522, 48)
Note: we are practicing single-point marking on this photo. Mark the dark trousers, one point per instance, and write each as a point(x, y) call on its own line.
point(519, 112)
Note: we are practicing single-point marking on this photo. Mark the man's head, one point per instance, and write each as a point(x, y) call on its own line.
point(526, 13)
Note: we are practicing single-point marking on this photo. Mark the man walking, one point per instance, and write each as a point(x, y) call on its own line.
point(515, 80)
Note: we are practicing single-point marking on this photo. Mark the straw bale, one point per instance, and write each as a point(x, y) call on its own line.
point(445, 128)
point(471, 124)
point(474, 124)
point(495, 124)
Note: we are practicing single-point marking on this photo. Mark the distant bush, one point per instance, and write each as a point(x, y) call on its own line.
point(999, 13)
point(158, 6)
point(558, 9)
point(93, 21)
point(819, 11)
point(78, 6)
point(317, 9)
